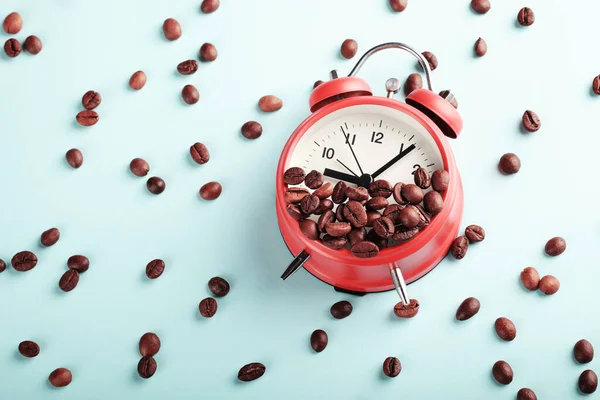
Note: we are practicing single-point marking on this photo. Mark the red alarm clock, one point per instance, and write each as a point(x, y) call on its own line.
point(357, 137)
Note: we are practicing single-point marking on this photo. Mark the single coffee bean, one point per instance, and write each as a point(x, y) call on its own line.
point(294, 176)
point(295, 195)
point(380, 242)
point(355, 214)
point(505, 329)
point(147, 367)
point(440, 180)
point(397, 193)
point(318, 340)
point(74, 158)
point(87, 118)
point(392, 367)
point(24, 261)
point(252, 371)
point(377, 203)
point(295, 212)
point(208, 307)
point(251, 130)
point(2, 265)
point(412, 193)
point(502, 372)
point(60, 377)
point(309, 228)
point(199, 153)
point(218, 286)
point(480, 6)
point(475, 233)
point(526, 394)
point(324, 205)
point(29, 349)
point(459, 247)
point(324, 191)
point(187, 67)
point(433, 202)
point(339, 213)
point(138, 80)
point(69, 280)
point(424, 217)
point(50, 237)
point(422, 178)
point(338, 229)
point(453, 101)
point(531, 121)
point(190, 94)
point(404, 234)
point(530, 278)
point(171, 29)
point(139, 167)
point(12, 48)
point(384, 227)
point(398, 5)
point(91, 100)
point(334, 242)
point(509, 164)
point(154, 269)
point(393, 212)
point(588, 382)
point(33, 44)
point(156, 185)
point(371, 217)
point(413, 82)
point(365, 249)
point(526, 17)
point(431, 59)
point(78, 263)
point(407, 311)
point(380, 188)
point(341, 309)
point(314, 179)
point(211, 190)
point(596, 85)
point(409, 217)
point(480, 47)
point(309, 204)
point(325, 218)
point(12, 23)
point(555, 246)
point(339, 193)
point(467, 309)
point(209, 6)
point(357, 235)
point(270, 103)
point(208, 52)
point(549, 285)
point(583, 352)
point(149, 344)
point(349, 48)
point(357, 193)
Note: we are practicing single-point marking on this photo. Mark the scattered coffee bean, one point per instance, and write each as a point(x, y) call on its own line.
point(324, 219)
point(357, 235)
point(171, 29)
point(74, 158)
point(583, 352)
point(393, 212)
point(314, 179)
point(505, 329)
point(526, 16)
point(137, 80)
point(480, 47)
point(412, 193)
point(156, 185)
point(357, 193)
point(398, 5)
point(139, 167)
point(422, 178)
point(69, 280)
point(87, 118)
point(78, 263)
point(199, 153)
point(459, 247)
point(431, 59)
point(29, 349)
point(60, 377)
point(526, 394)
point(251, 130)
point(309, 204)
point(154, 269)
point(467, 309)
point(218, 286)
point(211, 190)
point(384, 227)
point(381, 243)
point(318, 340)
point(190, 94)
point(397, 193)
point(509, 164)
point(475, 233)
point(334, 242)
point(549, 285)
point(555, 246)
point(341, 309)
point(392, 367)
point(187, 67)
point(339, 213)
point(209, 6)
point(309, 228)
point(252, 371)
point(377, 203)
point(208, 307)
point(339, 193)
point(596, 85)
point(531, 121)
point(208, 52)
point(324, 205)
point(50, 237)
point(413, 82)
point(440, 180)
point(371, 217)
point(147, 367)
point(530, 278)
point(444, 94)
point(349, 48)
point(33, 45)
point(12, 23)
point(270, 103)
point(409, 217)
point(408, 311)
point(324, 191)
point(149, 344)
point(380, 188)
point(24, 261)
point(404, 234)
point(355, 214)
point(588, 382)
point(338, 229)
point(433, 203)
point(502, 372)
point(2, 265)
point(12, 48)
point(295, 195)
point(480, 6)
point(91, 100)
point(365, 249)
point(294, 211)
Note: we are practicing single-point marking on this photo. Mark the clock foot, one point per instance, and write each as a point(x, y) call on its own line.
point(296, 264)
point(352, 292)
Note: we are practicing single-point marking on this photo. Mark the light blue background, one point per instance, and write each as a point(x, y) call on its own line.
point(282, 47)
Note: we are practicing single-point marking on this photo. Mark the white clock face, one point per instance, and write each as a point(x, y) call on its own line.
point(369, 141)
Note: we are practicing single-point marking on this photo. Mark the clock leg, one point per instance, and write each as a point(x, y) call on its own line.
point(296, 264)
point(400, 285)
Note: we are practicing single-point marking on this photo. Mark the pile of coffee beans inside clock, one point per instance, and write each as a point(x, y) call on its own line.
point(365, 220)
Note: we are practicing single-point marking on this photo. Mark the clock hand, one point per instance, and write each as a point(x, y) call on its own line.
point(344, 165)
point(393, 161)
point(340, 176)
point(347, 138)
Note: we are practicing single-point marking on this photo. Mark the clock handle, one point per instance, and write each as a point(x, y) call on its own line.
point(296, 264)
point(400, 285)
point(395, 45)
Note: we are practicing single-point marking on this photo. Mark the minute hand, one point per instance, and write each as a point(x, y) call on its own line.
point(393, 161)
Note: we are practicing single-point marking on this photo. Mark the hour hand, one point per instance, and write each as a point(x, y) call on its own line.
point(340, 176)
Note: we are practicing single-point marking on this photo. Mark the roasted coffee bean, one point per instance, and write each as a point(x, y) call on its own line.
point(380, 188)
point(555, 246)
point(549, 285)
point(467, 309)
point(424, 217)
point(309, 204)
point(156, 185)
point(309, 228)
point(137, 80)
point(339, 193)
point(431, 59)
point(12, 48)
point(588, 382)
point(596, 85)
point(481, 6)
point(530, 278)
point(583, 352)
point(270, 103)
point(404, 234)
point(433, 202)
point(314, 179)
point(324, 219)
point(371, 217)
point(29, 349)
point(393, 212)
point(60, 377)
point(324, 205)
point(349, 48)
point(365, 249)
point(413, 82)
point(294, 176)
point(341, 309)
point(78, 263)
point(502, 372)
point(334, 242)
point(324, 191)
point(149, 344)
point(251, 130)
point(381, 243)
point(187, 67)
point(208, 52)
point(398, 5)
point(211, 190)
point(397, 193)
point(74, 158)
point(409, 217)
point(199, 153)
point(171, 29)
point(50, 237)
point(209, 6)
point(295, 212)
point(384, 227)
point(2, 265)
point(146, 367)
point(357, 193)
point(377, 203)
point(509, 164)
point(24, 261)
point(33, 44)
point(218, 286)
point(526, 394)
point(318, 340)
point(208, 307)
point(531, 121)
point(154, 269)
point(87, 118)
point(252, 371)
point(422, 178)
point(190, 94)
point(357, 235)
point(526, 17)
point(338, 229)
point(459, 247)
point(12, 23)
point(505, 329)
point(412, 193)
point(440, 180)
point(453, 101)
point(355, 214)
point(480, 47)
point(475, 233)
point(91, 100)
point(295, 195)
point(69, 280)
point(407, 311)
point(392, 367)
point(139, 167)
